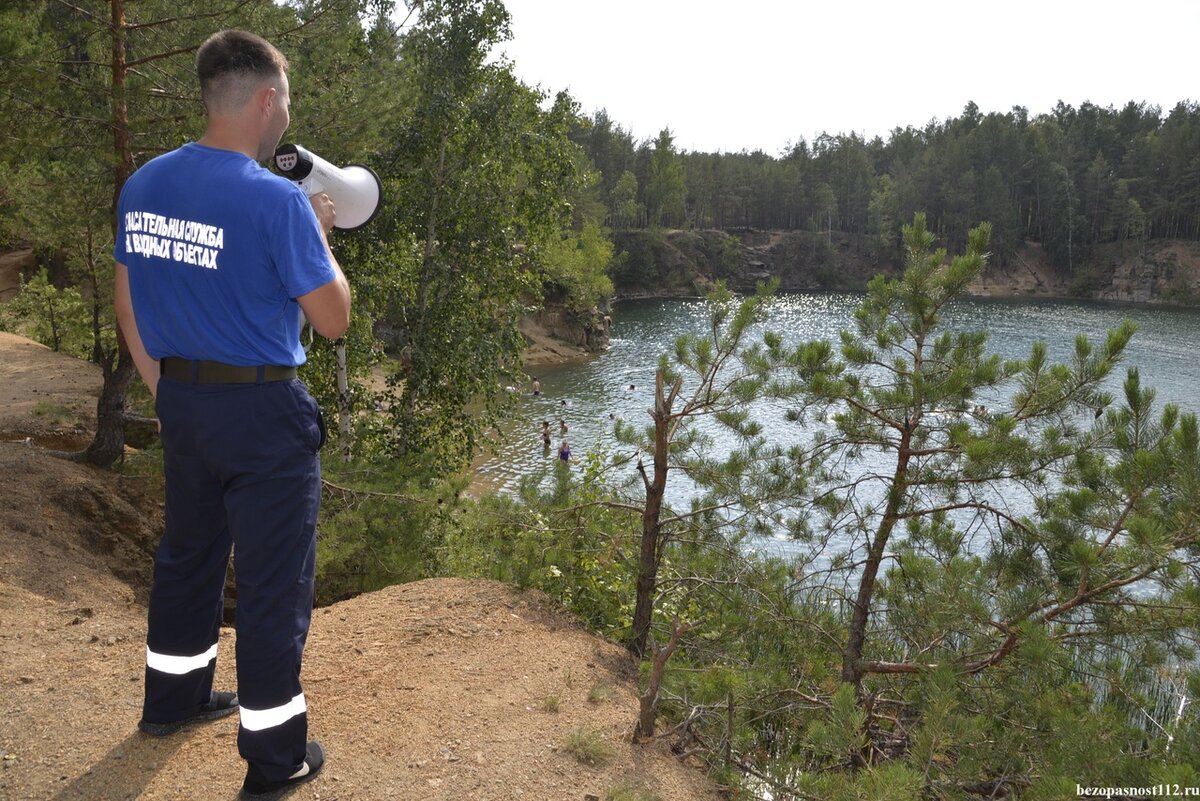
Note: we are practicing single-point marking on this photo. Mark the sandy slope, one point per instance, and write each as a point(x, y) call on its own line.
point(432, 690)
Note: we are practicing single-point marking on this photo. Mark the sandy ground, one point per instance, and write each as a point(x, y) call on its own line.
point(439, 689)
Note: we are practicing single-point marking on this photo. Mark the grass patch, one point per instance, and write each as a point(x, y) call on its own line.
point(627, 791)
point(588, 747)
point(55, 412)
point(599, 693)
point(144, 463)
point(551, 702)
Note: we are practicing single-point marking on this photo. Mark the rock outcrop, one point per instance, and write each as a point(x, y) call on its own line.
point(686, 263)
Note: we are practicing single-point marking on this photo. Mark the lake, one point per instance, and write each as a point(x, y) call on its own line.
point(1166, 349)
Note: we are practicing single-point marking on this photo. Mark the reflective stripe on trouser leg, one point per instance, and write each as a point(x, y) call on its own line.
point(179, 665)
point(177, 685)
point(274, 720)
point(278, 728)
point(272, 508)
point(189, 573)
point(263, 719)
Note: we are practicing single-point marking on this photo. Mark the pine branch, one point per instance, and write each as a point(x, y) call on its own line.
point(349, 491)
point(136, 26)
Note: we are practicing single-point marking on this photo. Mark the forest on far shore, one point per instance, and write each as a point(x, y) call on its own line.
point(1068, 178)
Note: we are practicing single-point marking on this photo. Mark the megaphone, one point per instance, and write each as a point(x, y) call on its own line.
point(355, 190)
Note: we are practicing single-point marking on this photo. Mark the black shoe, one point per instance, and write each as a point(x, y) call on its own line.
point(255, 786)
point(219, 705)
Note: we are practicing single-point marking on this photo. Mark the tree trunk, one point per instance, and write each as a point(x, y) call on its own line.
point(647, 580)
point(343, 385)
point(648, 701)
point(109, 443)
point(856, 637)
point(416, 338)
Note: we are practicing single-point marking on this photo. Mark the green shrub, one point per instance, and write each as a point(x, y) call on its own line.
point(379, 525)
point(60, 319)
point(588, 747)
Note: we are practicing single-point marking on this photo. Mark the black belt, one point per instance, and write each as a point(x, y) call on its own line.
point(205, 372)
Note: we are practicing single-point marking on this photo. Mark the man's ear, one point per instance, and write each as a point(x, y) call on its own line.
point(266, 100)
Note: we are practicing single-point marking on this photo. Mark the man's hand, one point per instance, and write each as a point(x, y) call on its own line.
point(327, 307)
point(323, 207)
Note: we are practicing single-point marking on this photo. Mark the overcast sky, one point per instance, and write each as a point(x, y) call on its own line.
point(758, 74)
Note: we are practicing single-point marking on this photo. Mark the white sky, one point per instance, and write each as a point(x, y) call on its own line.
point(759, 74)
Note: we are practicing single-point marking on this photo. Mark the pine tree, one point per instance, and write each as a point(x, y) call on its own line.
point(1010, 525)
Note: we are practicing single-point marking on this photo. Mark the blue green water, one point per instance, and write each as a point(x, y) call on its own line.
point(588, 394)
point(619, 383)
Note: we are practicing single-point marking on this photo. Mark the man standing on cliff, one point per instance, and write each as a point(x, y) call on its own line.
point(216, 258)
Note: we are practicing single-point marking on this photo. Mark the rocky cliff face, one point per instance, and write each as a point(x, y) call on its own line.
point(670, 263)
point(1163, 272)
point(1166, 272)
point(587, 331)
point(14, 265)
point(555, 333)
point(685, 263)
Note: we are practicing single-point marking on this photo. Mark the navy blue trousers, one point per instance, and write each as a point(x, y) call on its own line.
point(242, 471)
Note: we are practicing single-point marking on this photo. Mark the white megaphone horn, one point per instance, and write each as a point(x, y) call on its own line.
point(355, 190)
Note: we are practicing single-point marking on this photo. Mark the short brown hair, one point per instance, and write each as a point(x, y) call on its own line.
point(231, 64)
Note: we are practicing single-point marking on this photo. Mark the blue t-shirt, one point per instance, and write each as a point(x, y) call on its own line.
point(218, 249)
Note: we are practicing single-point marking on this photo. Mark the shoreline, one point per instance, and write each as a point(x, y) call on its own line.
point(981, 291)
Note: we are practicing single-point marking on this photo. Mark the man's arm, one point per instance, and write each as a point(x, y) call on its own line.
point(147, 367)
point(327, 307)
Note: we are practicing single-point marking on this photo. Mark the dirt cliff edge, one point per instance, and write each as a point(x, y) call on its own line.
point(441, 689)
